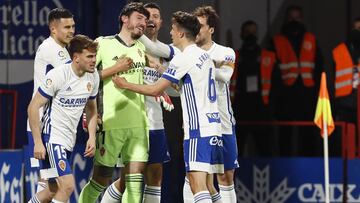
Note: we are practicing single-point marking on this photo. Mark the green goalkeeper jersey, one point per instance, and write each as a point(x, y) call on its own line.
point(121, 108)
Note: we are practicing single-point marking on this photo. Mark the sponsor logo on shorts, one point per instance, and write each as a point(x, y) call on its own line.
point(102, 151)
point(62, 165)
point(216, 141)
point(213, 117)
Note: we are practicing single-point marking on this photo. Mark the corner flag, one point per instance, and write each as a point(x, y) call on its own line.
point(323, 109)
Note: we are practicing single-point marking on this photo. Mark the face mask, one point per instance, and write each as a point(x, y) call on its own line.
point(293, 28)
point(250, 39)
point(354, 37)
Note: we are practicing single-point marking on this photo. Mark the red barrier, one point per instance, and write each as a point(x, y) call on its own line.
point(14, 94)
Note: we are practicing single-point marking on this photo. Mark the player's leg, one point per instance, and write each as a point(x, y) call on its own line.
point(226, 180)
point(187, 193)
point(135, 155)
point(158, 154)
point(109, 145)
point(114, 192)
point(60, 169)
point(202, 155)
point(35, 163)
point(47, 193)
point(215, 196)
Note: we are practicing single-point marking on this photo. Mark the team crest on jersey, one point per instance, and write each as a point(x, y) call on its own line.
point(61, 54)
point(62, 165)
point(102, 151)
point(140, 53)
point(89, 86)
point(48, 82)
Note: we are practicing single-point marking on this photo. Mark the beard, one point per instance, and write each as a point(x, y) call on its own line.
point(134, 34)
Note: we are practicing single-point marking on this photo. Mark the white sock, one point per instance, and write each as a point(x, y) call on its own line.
point(112, 195)
point(202, 197)
point(40, 186)
point(228, 193)
point(152, 194)
point(187, 193)
point(56, 201)
point(34, 199)
point(216, 198)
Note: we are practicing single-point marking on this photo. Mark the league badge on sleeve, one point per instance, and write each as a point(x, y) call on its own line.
point(89, 86)
point(48, 83)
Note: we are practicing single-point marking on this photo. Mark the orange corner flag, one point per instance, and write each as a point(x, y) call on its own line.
point(323, 109)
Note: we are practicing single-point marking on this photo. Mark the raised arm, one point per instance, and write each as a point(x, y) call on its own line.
point(157, 48)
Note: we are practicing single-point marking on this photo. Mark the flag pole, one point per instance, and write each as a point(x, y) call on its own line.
point(326, 164)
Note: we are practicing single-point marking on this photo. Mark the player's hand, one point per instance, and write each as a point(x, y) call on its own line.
point(166, 101)
point(218, 64)
point(123, 63)
point(90, 147)
point(119, 82)
point(39, 151)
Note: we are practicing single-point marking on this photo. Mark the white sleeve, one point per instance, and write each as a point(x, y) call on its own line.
point(157, 48)
point(223, 74)
point(51, 84)
point(176, 70)
point(96, 85)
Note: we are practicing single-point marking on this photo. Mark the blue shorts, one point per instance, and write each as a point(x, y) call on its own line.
point(158, 149)
point(204, 154)
point(56, 161)
point(230, 152)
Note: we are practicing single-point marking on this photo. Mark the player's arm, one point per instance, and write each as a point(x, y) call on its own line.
point(149, 90)
point(225, 68)
point(91, 117)
point(34, 120)
point(157, 48)
point(223, 73)
point(122, 64)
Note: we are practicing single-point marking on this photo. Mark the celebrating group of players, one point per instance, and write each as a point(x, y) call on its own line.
point(108, 78)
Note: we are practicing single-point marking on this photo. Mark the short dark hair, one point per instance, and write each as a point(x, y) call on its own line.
point(152, 5)
point(188, 22)
point(210, 13)
point(132, 7)
point(58, 13)
point(80, 42)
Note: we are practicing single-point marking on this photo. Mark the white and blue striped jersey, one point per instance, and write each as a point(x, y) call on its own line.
point(153, 108)
point(226, 54)
point(194, 69)
point(48, 56)
point(68, 95)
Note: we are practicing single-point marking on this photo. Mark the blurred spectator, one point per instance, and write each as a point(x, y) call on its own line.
point(347, 60)
point(298, 79)
point(253, 83)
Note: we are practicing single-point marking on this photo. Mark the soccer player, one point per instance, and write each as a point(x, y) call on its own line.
point(224, 58)
point(158, 150)
point(124, 121)
point(51, 53)
point(64, 94)
point(193, 66)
